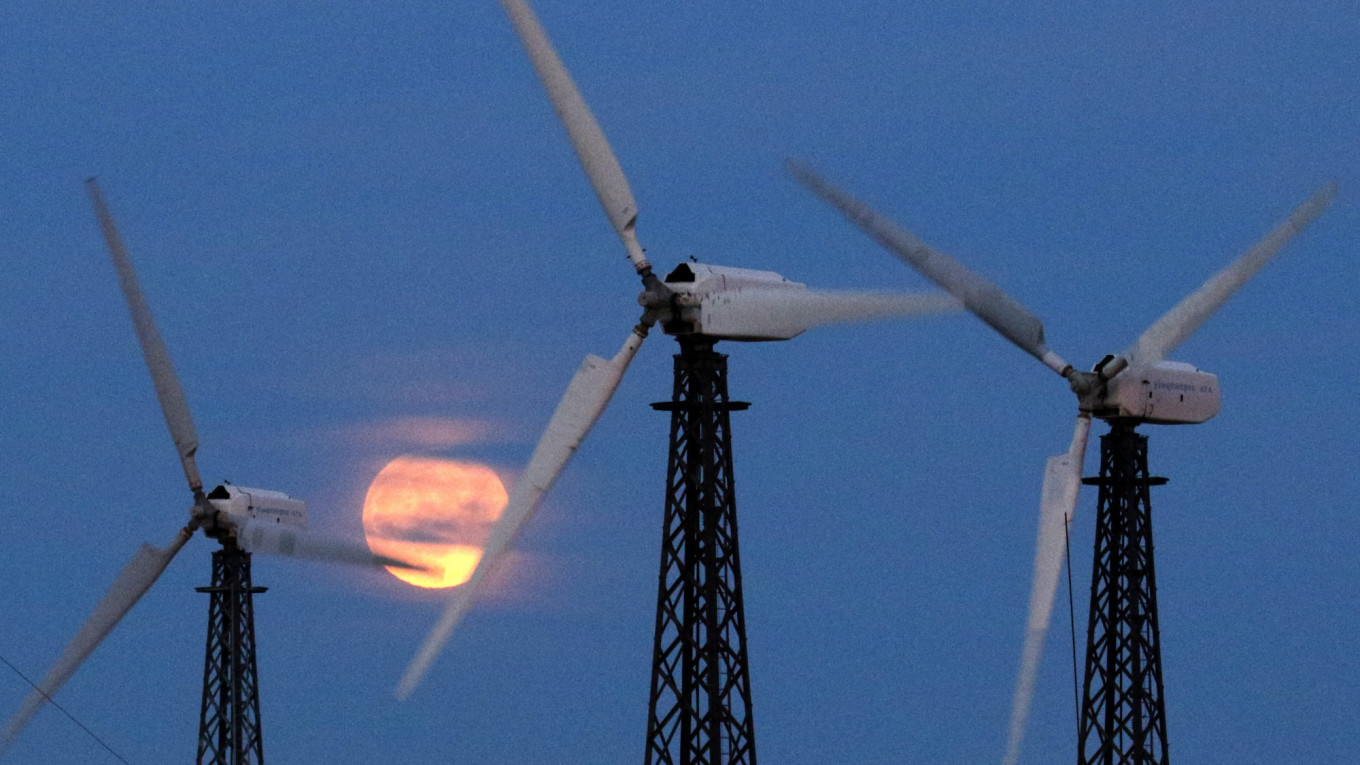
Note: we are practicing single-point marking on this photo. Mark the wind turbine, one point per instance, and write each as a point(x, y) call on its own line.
point(241, 519)
point(1123, 716)
point(700, 699)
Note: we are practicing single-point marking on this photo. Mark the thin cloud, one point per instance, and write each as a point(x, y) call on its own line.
point(430, 433)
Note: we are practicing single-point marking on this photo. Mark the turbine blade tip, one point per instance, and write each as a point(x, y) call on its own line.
point(405, 687)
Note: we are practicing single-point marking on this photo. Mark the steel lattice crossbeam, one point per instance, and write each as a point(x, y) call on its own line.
point(700, 708)
point(1123, 718)
point(229, 723)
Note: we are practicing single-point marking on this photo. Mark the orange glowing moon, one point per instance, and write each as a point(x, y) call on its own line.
point(433, 512)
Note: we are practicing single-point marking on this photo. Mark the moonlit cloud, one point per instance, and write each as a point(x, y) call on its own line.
point(419, 432)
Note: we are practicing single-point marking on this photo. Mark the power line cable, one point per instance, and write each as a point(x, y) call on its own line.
point(1072, 620)
point(62, 709)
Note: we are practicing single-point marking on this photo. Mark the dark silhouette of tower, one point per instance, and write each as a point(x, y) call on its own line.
point(229, 723)
point(1123, 717)
point(700, 709)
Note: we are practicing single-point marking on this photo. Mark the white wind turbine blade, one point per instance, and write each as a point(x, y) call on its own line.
point(586, 398)
point(138, 576)
point(269, 538)
point(587, 138)
point(1062, 483)
point(790, 312)
point(173, 403)
point(1178, 324)
point(983, 298)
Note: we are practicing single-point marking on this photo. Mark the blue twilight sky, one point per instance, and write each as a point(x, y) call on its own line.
point(350, 214)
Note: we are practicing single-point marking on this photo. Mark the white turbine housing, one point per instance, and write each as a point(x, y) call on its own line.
point(1169, 393)
point(733, 303)
point(741, 304)
point(259, 505)
point(701, 279)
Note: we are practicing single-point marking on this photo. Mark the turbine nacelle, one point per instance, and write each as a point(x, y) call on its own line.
point(723, 302)
point(1166, 393)
point(742, 304)
point(241, 503)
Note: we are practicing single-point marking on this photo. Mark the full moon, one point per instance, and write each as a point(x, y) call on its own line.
point(432, 512)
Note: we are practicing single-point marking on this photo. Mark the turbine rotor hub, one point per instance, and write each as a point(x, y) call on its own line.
point(1090, 390)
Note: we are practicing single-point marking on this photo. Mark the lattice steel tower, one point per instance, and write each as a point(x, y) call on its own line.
point(229, 723)
point(700, 709)
point(1123, 718)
